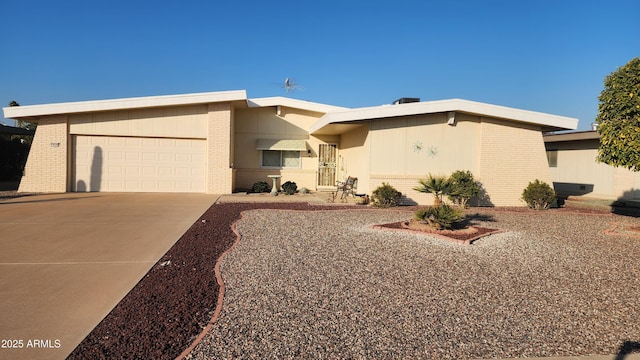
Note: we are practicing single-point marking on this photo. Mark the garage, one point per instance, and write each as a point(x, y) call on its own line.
point(138, 164)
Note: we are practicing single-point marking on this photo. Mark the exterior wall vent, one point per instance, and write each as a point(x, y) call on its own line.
point(406, 100)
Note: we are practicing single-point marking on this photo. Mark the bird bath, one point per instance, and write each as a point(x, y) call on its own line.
point(274, 189)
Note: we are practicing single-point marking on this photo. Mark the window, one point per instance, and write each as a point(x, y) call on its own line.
point(280, 158)
point(552, 158)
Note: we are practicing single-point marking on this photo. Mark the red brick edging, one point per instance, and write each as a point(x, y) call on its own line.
point(436, 235)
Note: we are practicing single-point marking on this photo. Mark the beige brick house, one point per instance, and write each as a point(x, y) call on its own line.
point(575, 171)
point(220, 142)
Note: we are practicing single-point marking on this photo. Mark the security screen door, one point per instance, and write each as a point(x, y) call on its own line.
point(327, 155)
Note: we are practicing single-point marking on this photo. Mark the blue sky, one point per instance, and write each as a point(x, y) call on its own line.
point(542, 55)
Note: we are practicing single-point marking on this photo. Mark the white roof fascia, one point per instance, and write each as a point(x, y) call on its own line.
point(293, 103)
point(572, 136)
point(14, 112)
point(430, 107)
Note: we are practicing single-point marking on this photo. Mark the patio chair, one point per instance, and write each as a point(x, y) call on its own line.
point(348, 186)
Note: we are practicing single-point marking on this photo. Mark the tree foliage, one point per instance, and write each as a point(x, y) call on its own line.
point(436, 185)
point(13, 156)
point(462, 187)
point(619, 117)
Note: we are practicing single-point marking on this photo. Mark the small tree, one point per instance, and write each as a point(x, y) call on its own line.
point(619, 117)
point(462, 187)
point(436, 185)
point(538, 195)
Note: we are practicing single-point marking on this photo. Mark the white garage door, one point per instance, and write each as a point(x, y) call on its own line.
point(130, 164)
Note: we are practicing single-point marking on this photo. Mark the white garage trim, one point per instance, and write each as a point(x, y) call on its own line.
point(137, 164)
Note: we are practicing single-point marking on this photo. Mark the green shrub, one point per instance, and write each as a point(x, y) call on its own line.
point(289, 187)
point(385, 196)
point(436, 185)
point(538, 195)
point(440, 217)
point(462, 187)
point(260, 187)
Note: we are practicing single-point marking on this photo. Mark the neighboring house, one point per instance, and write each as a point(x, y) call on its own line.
point(8, 132)
point(222, 141)
point(575, 171)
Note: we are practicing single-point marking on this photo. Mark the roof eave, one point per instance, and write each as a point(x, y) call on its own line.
point(547, 122)
point(31, 111)
point(572, 136)
point(293, 103)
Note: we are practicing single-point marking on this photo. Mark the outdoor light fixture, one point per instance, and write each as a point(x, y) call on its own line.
point(452, 118)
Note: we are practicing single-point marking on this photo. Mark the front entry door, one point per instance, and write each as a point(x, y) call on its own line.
point(327, 155)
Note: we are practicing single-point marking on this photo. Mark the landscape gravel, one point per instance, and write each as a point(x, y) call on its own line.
point(324, 284)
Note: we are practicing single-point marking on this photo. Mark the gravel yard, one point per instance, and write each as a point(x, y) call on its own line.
point(323, 284)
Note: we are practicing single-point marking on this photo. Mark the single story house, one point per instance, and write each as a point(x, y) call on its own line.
point(219, 142)
point(575, 171)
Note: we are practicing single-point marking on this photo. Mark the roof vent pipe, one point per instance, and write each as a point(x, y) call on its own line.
point(594, 126)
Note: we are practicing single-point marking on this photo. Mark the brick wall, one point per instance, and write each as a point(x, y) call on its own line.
point(219, 145)
point(511, 156)
point(46, 169)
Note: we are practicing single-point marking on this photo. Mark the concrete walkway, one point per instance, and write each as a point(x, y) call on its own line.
point(67, 259)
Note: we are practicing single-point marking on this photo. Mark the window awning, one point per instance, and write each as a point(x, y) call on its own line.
point(286, 145)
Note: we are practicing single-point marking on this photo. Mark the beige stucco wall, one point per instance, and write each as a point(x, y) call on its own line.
point(173, 122)
point(252, 124)
point(511, 156)
point(46, 168)
point(406, 149)
point(578, 173)
point(353, 156)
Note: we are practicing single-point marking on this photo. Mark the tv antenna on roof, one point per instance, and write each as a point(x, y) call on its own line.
point(289, 85)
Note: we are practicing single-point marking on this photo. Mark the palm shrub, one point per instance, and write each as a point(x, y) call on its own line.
point(538, 195)
point(462, 187)
point(440, 217)
point(436, 185)
point(385, 196)
point(289, 187)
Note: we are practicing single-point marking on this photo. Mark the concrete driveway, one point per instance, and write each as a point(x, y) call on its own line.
point(67, 259)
